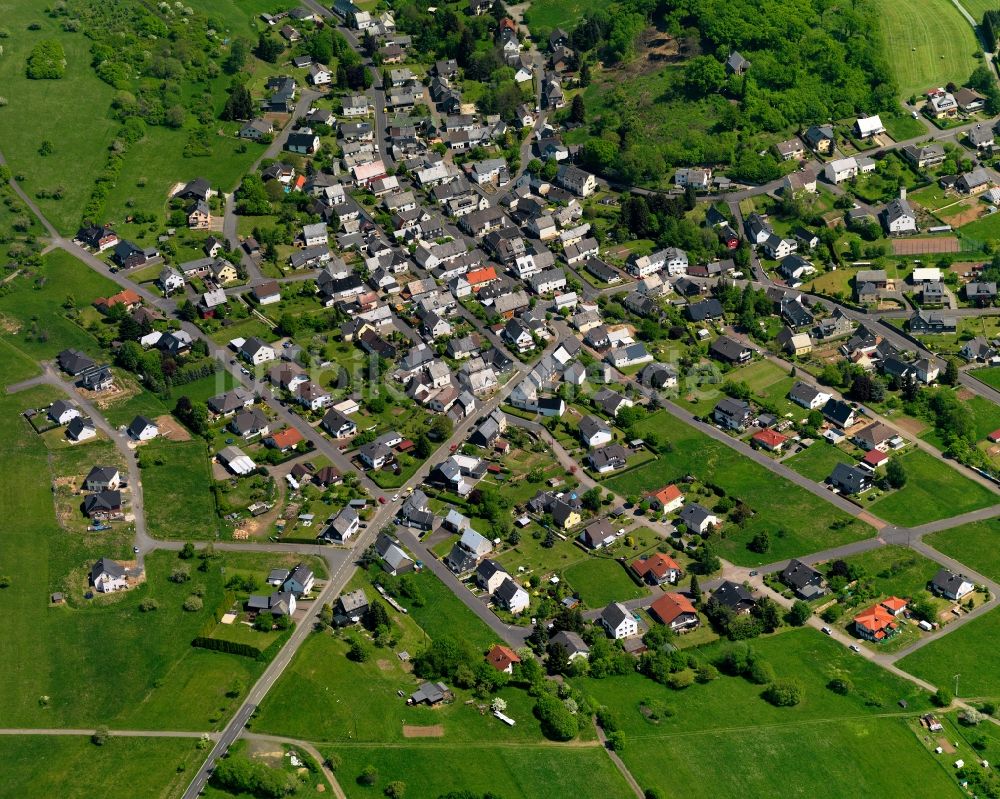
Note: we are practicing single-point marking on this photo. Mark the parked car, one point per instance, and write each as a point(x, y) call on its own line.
point(855, 648)
point(827, 630)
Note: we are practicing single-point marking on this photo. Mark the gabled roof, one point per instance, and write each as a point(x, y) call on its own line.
point(671, 606)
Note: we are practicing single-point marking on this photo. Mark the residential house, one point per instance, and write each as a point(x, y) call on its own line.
point(732, 414)
point(849, 479)
point(735, 597)
point(804, 580)
point(666, 500)
point(618, 621)
point(697, 518)
point(675, 611)
point(729, 350)
point(950, 585)
point(657, 569)
point(142, 429)
point(608, 459)
point(341, 527)
point(108, 576)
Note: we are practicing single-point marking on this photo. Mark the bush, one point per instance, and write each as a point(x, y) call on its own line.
point(760, 672)
point(193, 603)
point(558, 723)
point(783, 693)
point(840, 685)
point(47, 61)
point(942, 698)
point(148, 605)
point(368, 775)
point(100, 737)
point(970, 717)
point(396, 789)
point(180, 575)
point(616, 741)
point(681, 680)
point(706, 673)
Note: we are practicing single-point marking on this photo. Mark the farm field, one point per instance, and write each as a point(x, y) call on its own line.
point(174, 475)
point(39, 766)
point(975, 545)
point(780, 506)
point(931, 492)
point(967, 651)
point(929, 42)
point(726, 721)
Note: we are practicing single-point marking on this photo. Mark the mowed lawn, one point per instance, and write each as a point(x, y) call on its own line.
point(927, 43)
point(600, 581)
point(969, 651)
point(803, 519)
point(16, 366)
point(40, 767)
point(32, 311)
point(933, 491)
point(177, 489)
point(765, 748)
point(976, 545)
point(71, 112)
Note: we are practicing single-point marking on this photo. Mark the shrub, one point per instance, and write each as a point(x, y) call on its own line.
point(100, 737)
point(840, 685)
point(47, 61)
point(616, 741)
point(368, 775)
point(558, 723)
point(760, 672)
point(396, 789)
point(681, 680)
point(783, 693)
point(942, 698)
point(193, 603)
point(148, 605)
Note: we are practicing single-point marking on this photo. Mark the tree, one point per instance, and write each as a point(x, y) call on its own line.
point(760, 543)
point(558, 723)
point(950, 376)
point(578, 111)
point(396, 789)
point(239, 54)
point(704, 75)
point(100, 737)
point(584, 76)
point(47, 61)
point(799, 613)
point(239, 104)
point(695, 589)
point(895, 474)
point(268, 48)
point(358, 650)
point(187, 551)
point(592, 499)
point(441, 427)
point(942, 697)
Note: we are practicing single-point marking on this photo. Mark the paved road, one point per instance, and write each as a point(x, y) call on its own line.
point(112, 733)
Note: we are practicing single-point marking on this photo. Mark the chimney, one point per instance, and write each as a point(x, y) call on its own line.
point(902, 192)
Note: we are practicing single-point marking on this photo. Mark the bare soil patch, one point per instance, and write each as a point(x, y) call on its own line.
point(946, 745)
point(431, 731)
point(171, 429)
point(878, 524)
point(908, 425)
point(922, 246)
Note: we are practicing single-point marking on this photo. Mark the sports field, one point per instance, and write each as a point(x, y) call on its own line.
point(927, 44)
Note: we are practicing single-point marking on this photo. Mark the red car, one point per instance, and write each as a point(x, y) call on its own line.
point(381, 500)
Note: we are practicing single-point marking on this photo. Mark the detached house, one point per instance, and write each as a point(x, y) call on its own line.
point(675, 611)
point(657, 569)
point(618, 621)
point(950, 585)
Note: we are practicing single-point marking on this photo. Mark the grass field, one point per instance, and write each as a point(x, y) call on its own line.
point(38, 766)
point(154, 679)
point(544, 15)
point(156, 163)
point(764, 748)
point(929, 42)
point(16, 365)
point(817, 461)
point(521, 772)
point(32, 311)
point(969, 652)
point(932, 491)
point(177, 475)
point(71, 113)
point(895, 570)
point(976, 544)
point(601, 580)
point(990, 376)
point(780, 506)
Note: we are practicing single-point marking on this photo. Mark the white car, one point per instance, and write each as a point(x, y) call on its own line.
point(395, 497)
point(855, 648)
point(827, 630)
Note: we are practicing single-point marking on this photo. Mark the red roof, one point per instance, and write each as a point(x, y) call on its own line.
point(669, 606)
point(288, 437)
point(666, 495)
point(657, 563)
point(875, 457)
point(501, 658)
point(769, 438)
point(477, 277)
point(994, 436)
point(877, 619)
point(126, 297)
point(894, 604)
